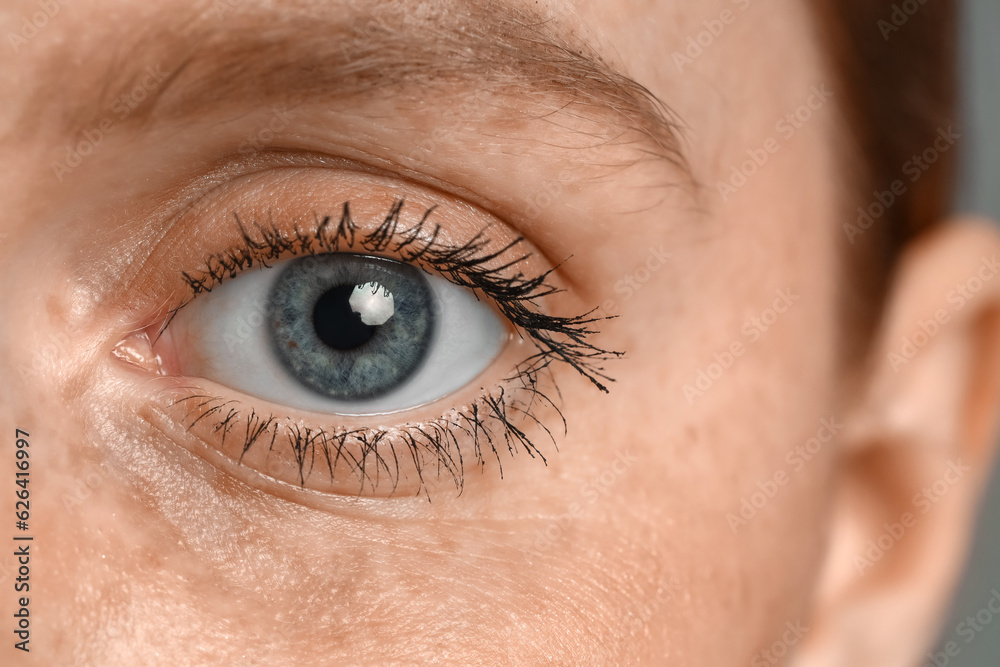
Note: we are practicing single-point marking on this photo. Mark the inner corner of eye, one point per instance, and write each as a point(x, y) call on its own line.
point(146, 350)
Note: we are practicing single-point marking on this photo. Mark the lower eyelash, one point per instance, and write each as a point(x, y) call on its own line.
point(490, 423)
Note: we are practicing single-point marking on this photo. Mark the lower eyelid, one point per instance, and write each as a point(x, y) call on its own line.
point(355, 459)
point(355, 456)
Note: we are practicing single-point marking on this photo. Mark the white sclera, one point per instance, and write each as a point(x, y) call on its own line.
point(223, 336)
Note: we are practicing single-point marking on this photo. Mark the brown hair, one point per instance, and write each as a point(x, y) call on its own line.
point(895, 61)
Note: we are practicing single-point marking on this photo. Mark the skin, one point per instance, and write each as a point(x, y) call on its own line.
point(151, 546)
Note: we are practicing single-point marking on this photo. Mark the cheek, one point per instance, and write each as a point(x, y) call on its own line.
point(728, 402)
point(711, 510)
point(163, 539)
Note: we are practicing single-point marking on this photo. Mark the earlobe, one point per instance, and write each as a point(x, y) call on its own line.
point(915, 455)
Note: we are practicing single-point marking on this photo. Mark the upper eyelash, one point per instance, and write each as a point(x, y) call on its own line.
point(557, 339)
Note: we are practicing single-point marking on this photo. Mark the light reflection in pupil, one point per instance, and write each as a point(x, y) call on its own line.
point(347, 316)
point(373, 303)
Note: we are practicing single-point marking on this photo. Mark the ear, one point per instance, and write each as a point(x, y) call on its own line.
point(916, 454)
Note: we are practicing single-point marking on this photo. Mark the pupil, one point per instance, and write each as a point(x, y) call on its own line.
point(336, 323)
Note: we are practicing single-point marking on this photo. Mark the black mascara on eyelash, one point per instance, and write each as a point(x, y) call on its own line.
point(490, 422)
point(489, 273)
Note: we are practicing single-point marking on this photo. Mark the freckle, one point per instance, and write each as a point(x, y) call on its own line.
point(292, 343)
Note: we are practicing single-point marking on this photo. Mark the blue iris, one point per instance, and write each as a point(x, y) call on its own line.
point(351, 327)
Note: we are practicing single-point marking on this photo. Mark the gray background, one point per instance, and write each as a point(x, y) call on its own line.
point(979, 191)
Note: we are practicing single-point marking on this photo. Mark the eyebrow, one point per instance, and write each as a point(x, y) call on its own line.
point(317, 51)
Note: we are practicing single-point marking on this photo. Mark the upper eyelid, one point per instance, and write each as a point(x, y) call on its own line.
point(332, 234)
point(274, 198)
point(149, 223)
point(265, 244)
point(193, 218)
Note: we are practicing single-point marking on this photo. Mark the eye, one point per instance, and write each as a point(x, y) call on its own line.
point(340, 333)
point(367, 346)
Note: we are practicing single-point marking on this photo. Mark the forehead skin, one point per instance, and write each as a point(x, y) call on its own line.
point(164, 555)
